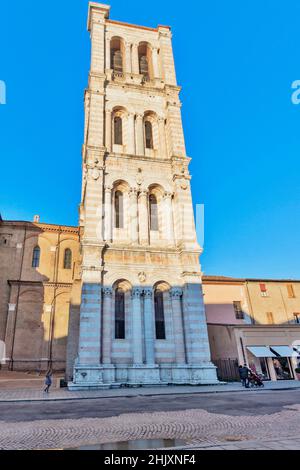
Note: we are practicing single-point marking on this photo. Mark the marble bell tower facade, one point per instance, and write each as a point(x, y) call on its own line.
point(142, 318)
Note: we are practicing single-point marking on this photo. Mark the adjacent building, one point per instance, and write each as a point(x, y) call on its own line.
point(39, 263)
point(254, 321)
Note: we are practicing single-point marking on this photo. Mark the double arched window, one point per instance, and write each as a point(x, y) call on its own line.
point(153, 212)
point(159, 315)
point(119, 210)
point(118, 130)
point(36, 257)
point(67, 258)
point(119, 313)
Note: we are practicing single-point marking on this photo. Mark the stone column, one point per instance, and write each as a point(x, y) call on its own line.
point(108, 133)
point(135, 59)
point(137, 327)
point(176, 294)
point(169, 219)
point(108, 214)
point(162, 137)
point(90, 325)
point(155, 63)
point(139, 128)
point(149, 326)
point(195, 324)
point(128, 57)
point(131, 134)
point(107, 54)
point(143, 217)
point(133, 211)
point(107, 330)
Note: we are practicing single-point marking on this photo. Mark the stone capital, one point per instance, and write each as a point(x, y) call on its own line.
point(148, 293)
point(107, 292)
point(143, 192)
point(136, 293)
point(108, 189)
point(176, 292)
point(133, 192)
point(168, 195)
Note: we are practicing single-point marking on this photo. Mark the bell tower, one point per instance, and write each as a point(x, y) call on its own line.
point(142, 318)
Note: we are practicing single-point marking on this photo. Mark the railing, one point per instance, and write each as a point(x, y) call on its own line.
point(117, 75)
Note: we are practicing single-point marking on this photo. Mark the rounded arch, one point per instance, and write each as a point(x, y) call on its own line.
point(33, 293)
point(123, 284)
point(162, 286)
point(121, 185)
point(156, 190)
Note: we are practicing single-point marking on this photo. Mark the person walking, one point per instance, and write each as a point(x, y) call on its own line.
point(48, 381)
point(244, 373)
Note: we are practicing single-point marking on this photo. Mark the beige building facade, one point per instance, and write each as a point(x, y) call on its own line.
point(254, 321)
point(39, 263)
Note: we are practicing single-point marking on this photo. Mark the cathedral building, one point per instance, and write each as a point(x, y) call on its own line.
point(142, 318)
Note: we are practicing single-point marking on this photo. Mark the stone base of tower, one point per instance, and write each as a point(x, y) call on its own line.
point(104, 377)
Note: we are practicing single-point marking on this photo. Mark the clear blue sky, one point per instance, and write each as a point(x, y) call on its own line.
point(235, 61)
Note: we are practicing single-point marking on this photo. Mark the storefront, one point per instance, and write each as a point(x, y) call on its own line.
point(258, 360)
point(272, 351)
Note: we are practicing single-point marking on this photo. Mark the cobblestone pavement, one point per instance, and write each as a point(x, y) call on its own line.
point(17, 394)
point(196, 427)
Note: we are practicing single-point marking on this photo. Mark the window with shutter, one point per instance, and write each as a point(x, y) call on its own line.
point(117, 60)
point(153, 213)
point(239, 314)
point(36, 257)
point(119, 314)
point(159, 315)
point(68, 259)
point(290, 290)
point(148, 135)
point(118, 132)
point(119, 210)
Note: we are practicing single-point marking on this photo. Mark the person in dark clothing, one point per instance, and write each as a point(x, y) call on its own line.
point(244, 373)
point(48, 382)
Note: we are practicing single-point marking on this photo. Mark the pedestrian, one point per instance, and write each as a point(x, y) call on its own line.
point(48, 381)
point(244, 373)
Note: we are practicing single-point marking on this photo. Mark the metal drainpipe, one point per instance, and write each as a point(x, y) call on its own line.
point(11, 367)
point(52, 319)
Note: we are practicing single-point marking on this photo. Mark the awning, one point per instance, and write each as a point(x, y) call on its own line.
point(261, 351)
point(285, 351)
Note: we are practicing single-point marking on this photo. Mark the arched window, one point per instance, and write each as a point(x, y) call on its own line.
point(119, 210)
point(67, 258)
point(144, 67)
point(159, 315)
point(153, 213)
point(119, 314)
point(116, 60)
point(36, 257)
point(118, 133)
point(148, 135)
